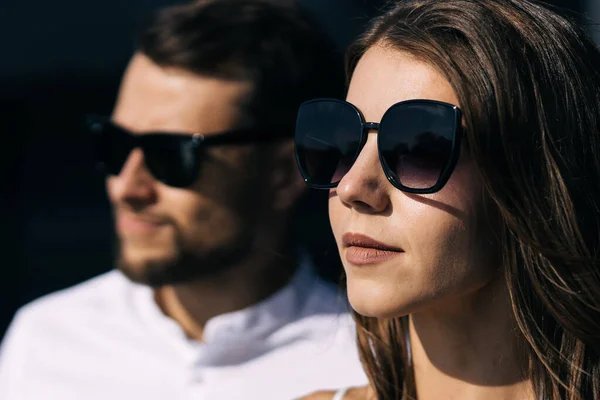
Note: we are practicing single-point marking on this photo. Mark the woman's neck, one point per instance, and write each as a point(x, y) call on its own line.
point(468, 349)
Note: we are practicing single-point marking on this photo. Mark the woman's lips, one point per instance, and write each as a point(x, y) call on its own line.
point(363, 250)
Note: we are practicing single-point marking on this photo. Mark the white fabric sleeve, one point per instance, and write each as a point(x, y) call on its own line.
point(12, 359)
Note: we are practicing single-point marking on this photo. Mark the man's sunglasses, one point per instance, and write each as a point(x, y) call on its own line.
point(418, 142)
point(171, 158)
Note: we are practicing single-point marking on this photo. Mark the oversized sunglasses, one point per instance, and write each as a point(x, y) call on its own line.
point(171, 158)
point(418, 142)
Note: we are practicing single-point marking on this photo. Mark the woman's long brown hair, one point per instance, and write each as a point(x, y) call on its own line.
point(528, 82)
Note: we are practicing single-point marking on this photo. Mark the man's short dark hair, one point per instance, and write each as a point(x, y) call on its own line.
point(273, 45)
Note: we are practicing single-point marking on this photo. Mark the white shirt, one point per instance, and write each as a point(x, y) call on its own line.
point(106, 339)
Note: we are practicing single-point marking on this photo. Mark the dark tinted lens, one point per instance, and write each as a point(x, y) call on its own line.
point(172, 159)
point(111, 145)
point(415, 140)
point(328, 135)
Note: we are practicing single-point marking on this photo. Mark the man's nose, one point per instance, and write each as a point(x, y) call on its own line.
point(134, 185)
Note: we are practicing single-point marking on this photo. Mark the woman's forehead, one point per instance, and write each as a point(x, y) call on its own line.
point(385, 76)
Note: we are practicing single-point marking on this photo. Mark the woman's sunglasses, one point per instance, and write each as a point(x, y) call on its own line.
point(418, 142)
point(172, 158)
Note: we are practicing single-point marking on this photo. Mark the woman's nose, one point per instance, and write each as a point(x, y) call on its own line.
point(365, 187)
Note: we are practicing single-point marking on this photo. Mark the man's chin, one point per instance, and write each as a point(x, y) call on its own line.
point(161, 266)
point(153, 271)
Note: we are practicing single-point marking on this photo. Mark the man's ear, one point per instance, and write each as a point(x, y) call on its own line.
point(286, 182)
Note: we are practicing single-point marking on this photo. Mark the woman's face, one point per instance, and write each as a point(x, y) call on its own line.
point(440, 251)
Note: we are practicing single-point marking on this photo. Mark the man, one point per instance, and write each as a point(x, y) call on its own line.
point(211, 300)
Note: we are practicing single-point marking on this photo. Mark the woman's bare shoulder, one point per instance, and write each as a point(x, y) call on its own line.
point(322, 395)
point(359, 393)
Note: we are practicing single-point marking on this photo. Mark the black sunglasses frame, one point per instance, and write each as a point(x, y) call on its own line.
point(197, 141)
point(365, 127)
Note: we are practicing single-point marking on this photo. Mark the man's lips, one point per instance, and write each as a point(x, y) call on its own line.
point(363, 250)
point(132, 223)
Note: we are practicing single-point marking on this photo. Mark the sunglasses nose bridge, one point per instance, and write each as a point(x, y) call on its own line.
point(367, 126)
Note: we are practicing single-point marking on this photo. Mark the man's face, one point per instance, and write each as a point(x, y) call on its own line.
point(170, 235)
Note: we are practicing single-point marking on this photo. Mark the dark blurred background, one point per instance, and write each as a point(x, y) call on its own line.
point(58, 61)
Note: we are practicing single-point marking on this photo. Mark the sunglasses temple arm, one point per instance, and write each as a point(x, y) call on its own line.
point(245, 138)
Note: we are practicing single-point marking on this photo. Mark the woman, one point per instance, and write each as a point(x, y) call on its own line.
point(464, 178)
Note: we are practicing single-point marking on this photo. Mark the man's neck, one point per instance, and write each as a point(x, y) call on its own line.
point(469, 349)
point(193, 304)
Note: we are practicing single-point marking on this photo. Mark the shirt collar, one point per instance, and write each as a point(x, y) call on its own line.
point(259, 320)
point(235, 329)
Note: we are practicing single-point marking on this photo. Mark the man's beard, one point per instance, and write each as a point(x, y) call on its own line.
point(187, 266)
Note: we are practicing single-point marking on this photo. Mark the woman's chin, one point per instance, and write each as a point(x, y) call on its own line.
point(377, 303)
